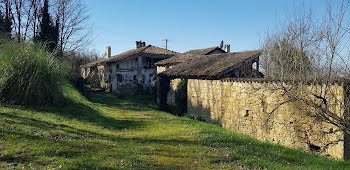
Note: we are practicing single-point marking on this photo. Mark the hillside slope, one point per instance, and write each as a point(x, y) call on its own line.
point(109, 133)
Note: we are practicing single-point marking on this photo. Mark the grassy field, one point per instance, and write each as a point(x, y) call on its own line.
point(110, 133)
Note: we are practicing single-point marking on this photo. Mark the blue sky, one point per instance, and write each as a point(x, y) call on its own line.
point(188, 24)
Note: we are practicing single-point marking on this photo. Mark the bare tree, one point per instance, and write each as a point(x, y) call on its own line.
point(74, 29)
point(72, 15)
point(23, 14)
point(34, 15)
point(308, 56)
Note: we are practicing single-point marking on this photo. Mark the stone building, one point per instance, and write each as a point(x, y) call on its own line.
point(213, 66)
point(168, 63)
point(227, 89)
point(210, 63)
point(123, 72)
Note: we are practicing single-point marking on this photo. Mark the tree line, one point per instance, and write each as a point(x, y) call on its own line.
point(62, 25)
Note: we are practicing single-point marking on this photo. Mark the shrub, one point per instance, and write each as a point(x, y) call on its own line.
point(93, 80)
point(72, 62)
point(181, 98)
point(29, 75)
point(80, 83)
point(163, 83)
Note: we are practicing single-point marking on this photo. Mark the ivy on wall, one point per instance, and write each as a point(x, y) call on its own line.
point(181, 98)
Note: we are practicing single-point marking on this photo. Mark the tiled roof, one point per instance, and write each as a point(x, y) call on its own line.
point(204, 51)
point(210, 65)
point(148, 51)
point(187, 56)
point(179, 58)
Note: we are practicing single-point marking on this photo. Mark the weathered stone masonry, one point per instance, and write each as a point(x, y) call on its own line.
point(245, 106)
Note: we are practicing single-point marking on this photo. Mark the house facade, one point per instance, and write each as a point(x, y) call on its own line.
point(129, 70)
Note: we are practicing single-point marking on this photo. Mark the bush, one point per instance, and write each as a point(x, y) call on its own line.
point(80, 83)
point(181, 97)
point(93, 80)
point(163, 83)
point(29, 75)
point(72, 62)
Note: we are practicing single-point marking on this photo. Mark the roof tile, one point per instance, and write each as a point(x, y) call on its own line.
point(148, 51)
point(209, 65)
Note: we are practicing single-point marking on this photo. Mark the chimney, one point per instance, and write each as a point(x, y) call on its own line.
point(137, 44)
point(108, 52)
point(227, 48)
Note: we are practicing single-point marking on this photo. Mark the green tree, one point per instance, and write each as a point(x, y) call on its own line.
point(5, 25)
point(2, 23)
point(48, 33)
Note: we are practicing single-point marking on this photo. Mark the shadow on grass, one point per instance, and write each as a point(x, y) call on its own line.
point(87, 114)
point(15, 159)
point(67, 142)
point(134, 102)
point(39, 146)
point(255, 153)
point(69, 131)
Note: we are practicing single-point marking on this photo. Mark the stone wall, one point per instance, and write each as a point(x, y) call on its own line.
point(161, 69)
point(247, 107)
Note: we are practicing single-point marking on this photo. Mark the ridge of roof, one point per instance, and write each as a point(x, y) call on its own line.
point(210, 65)
point(147, 50)
point(183, 57)
point(203, 51)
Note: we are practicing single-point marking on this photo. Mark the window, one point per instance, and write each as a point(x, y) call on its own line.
point(148, 62)
point(255, 65)
point(150, 78)
point(87, 71)
point(119, 78)
point(117, 66)
point(143, 78)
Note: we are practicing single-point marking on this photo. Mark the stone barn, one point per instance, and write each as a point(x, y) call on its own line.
point(213, 66)
point(227, 89)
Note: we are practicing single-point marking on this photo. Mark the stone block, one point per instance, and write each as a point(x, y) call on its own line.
point(240, 107)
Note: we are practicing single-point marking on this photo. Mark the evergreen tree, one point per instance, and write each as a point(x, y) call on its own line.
point(5, 25)
point(2, 23)
point(48, 33)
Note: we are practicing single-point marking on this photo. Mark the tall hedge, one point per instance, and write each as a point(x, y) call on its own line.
point(29, 75)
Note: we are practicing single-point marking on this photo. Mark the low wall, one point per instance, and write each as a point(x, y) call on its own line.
point(247, 107)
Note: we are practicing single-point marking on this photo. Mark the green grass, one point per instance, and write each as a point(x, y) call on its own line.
point(109, 133)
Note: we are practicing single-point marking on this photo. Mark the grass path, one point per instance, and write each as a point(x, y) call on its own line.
point(109, 133)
